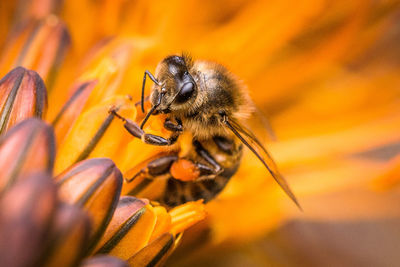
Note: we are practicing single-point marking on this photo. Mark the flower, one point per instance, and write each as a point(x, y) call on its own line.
point(59, 221)
point(326, 74)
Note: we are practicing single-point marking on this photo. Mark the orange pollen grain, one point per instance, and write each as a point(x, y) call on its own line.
point(184, 170)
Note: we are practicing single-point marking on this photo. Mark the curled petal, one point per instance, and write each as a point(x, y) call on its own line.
point(95, 185)
point(26, 213)
point(26, 148)
point(104, 261)
point(68, 237)
point(22, 95)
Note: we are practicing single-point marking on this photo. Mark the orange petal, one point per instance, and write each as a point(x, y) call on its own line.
point(163, 223)
point(186, 215)
point(390, 178)
point(96, 133)
point(71, 109)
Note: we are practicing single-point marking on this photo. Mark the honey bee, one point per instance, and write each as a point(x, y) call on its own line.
point(206, 100)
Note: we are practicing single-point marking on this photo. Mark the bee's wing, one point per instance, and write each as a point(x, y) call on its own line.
point(258, 117)
point(251, 141)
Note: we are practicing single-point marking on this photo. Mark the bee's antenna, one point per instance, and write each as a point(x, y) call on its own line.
point(142, 99)
point(148, 116)
point(143, 86)
point(152, 110)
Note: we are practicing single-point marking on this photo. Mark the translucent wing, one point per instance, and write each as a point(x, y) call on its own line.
point(257, 118)
point(251, 141)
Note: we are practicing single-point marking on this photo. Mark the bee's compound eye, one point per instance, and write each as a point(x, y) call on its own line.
point(185, 92)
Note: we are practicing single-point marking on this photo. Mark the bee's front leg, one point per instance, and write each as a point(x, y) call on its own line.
point(134, 129)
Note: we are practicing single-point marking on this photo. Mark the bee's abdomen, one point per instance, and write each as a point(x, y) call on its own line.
point(227, 154)
point(178, 192)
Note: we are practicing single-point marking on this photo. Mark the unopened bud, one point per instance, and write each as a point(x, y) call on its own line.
point(104, 261)
point(26, 213)
point(129, 230)
point(67, 242)
point(22, 95)
point(94, 184)
point(155, 253)
point(26, 148)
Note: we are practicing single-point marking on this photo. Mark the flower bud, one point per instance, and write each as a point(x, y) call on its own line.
point(26, 213)
point(155, 253)
point(136, 223)
point(26, 148)
point(22, 95)
point(104, 261)
point(95, 185)
point(129, 230)
point(68, 237)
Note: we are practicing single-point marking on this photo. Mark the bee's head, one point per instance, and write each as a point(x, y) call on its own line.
point(177, 88)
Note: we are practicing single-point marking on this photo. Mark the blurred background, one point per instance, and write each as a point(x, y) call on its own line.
point(325, 74)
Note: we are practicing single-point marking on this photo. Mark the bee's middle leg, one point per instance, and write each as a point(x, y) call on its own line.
point(165, 165)
point(169, 125)
point(202, 152)
point(155, 168)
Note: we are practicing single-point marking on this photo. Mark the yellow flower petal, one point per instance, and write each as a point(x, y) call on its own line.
point(93, 134)
point(186, 215)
